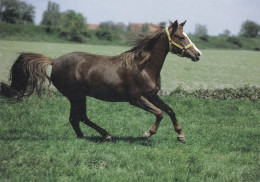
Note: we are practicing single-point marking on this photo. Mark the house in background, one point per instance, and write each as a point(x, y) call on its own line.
point(139, 27)
point(93, 26)
point(133, 27)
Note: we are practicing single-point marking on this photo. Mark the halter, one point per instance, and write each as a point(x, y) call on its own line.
point(171, 43)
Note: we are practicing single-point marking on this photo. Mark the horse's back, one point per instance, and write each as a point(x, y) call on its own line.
point(88, 74)
point(64, 71)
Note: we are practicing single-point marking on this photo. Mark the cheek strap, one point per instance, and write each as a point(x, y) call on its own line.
point(172, 43)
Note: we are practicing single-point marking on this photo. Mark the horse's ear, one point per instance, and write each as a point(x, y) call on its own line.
point(174, 25)
point(183, 23)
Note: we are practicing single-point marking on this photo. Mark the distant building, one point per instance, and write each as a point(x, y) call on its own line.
point(133, 27)
point(153, 28)
point(93, 26)
point(138, 27)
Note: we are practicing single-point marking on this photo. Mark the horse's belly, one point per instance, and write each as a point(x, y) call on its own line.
point(107, 94)
point(104, 84)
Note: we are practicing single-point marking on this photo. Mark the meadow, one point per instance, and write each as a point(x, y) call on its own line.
point(38, 144)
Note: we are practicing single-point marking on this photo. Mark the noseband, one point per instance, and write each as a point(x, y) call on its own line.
point(171, 43)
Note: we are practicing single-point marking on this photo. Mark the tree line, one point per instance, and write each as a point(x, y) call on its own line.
point(72, 26)
point(248, 29)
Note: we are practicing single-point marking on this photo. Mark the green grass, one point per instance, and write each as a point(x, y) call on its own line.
point(17, 32)
point(216, 69)
point(38, 143)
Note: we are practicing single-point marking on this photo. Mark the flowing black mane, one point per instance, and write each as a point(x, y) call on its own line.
point(142, 48)
point(145, 42)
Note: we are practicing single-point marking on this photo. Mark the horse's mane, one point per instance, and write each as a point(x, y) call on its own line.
point(141, 51)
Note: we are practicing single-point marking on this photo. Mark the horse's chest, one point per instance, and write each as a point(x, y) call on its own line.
point(147, 84)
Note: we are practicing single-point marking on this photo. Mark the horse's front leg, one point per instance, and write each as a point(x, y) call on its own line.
point(156, 100)
point(143, 103)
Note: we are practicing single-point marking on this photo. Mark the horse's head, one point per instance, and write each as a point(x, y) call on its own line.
point(179, 42)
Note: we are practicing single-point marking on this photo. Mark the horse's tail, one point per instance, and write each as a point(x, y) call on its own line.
point(28, 74)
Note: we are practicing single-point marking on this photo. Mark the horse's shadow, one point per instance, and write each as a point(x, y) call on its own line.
point(115, 139)
point(94, 139)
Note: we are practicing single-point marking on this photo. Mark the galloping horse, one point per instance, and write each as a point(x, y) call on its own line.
point(132, 76)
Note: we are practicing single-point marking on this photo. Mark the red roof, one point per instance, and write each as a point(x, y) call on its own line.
point(153, 28)
point(93, 26)
point(134, 27)
point(137, 27)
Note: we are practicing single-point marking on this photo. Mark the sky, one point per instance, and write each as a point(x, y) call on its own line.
point(217, 15)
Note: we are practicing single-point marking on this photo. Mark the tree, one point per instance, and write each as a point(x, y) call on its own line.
point(15, 11)
point(145, 28)
point(26, 13)
point(250, 29)
point(107, 25)
point(73, 26)
point(110, 25)
point(226, 33)
point(201, 31)
point(9, 11)
point(121, 26)
point(162, 24)
point(51, 16)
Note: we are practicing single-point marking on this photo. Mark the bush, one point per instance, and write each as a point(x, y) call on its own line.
point(257, 49)
point(204, 38)
point(247, 92)
point(104, 35)
point(234, 40)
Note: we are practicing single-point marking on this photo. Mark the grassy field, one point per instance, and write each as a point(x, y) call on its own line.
point(37, 142)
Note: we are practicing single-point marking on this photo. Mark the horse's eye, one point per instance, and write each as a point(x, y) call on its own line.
point(181, 38)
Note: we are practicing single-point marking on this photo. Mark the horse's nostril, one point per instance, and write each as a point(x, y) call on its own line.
point(199, 54)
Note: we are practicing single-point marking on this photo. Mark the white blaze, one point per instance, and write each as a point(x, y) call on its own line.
point(191, 42)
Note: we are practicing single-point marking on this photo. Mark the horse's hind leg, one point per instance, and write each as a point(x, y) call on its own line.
point(78, 113)
point(100, 130)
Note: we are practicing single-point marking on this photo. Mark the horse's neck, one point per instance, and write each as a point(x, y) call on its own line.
point(159, 53)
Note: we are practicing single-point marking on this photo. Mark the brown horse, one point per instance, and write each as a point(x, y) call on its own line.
point(133, 76)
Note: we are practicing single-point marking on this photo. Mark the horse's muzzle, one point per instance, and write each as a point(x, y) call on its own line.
point(195, 58)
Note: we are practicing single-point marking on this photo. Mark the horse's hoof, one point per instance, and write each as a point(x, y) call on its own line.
point(108, 138)
point(146, 134)
point(181, 139)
